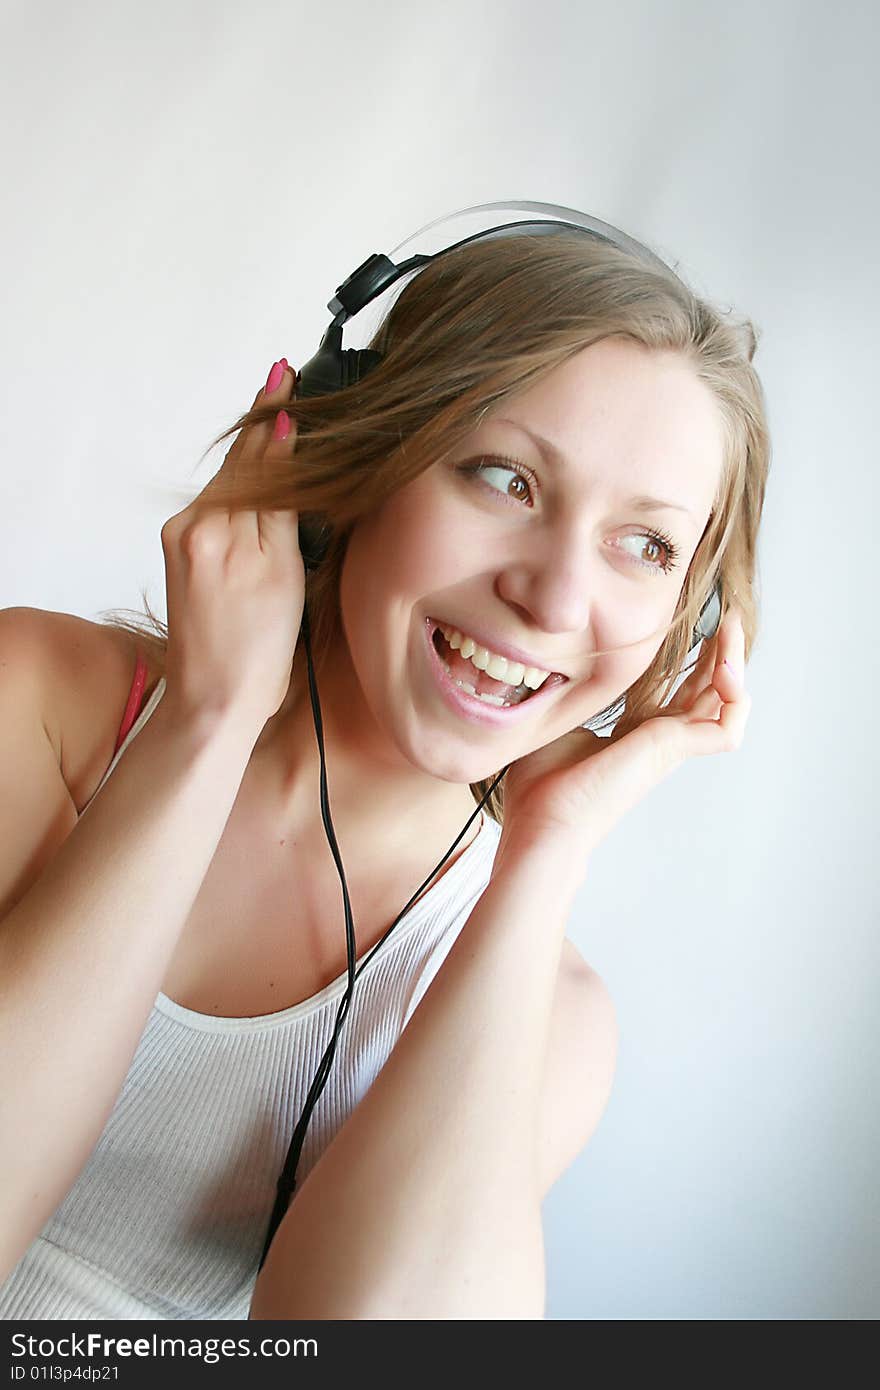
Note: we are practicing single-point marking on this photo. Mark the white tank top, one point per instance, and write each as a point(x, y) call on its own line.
point(169, 1215)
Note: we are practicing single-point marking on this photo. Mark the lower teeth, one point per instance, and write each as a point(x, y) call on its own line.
point(486, 698)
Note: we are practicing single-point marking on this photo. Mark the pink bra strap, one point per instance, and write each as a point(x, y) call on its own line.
point(134, 699)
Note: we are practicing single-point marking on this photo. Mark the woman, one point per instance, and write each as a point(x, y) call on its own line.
point(482, 494)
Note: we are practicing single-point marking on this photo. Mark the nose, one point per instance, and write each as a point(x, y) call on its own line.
point(549, 583)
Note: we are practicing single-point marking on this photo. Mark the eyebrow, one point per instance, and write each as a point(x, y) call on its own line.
point(550, 451)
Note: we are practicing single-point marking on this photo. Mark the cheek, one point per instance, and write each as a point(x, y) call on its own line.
point(622, 672)
point(445, 549)
point(416, 546)
point(387, 573)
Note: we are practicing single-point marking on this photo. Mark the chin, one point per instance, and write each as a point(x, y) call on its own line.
point(457, 769)
point(466, 766)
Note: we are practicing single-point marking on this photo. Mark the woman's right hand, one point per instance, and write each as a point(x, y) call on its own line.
point(235, 585)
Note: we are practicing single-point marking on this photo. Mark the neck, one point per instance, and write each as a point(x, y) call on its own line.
point(380, 804)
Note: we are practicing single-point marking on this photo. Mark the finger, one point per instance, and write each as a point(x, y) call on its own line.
point(284, 388)
point(728, 645)
point(255, 439)
point(251, 440)
point(721, 735)
point(282, 434)
point(252, 443)
point(727, 680)
point(730, 641)
point(707, 705)
point(279, 532)
point(277, 529)
point(262, 445)
point(277, 384)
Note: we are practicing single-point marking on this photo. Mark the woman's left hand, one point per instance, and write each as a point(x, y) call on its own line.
point(580, 785)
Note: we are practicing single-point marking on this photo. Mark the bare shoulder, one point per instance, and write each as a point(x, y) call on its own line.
point(88, 669)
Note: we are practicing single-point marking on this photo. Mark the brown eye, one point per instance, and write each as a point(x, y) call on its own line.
point(660, 542)
point(516, 489)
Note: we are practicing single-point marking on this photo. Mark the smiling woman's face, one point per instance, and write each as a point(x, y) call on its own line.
point(555, 560)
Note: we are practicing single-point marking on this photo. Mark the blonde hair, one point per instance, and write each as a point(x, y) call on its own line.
point(475, 326)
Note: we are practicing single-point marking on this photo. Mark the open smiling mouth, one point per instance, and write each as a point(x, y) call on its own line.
point(489, 690)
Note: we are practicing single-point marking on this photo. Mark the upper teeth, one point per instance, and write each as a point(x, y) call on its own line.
point(511, 672)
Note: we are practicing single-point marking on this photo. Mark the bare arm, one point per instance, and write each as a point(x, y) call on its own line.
point(85, 945)
point(427, 1202)
point(84, 951)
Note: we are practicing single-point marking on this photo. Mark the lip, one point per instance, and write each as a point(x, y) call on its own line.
point(498, 648)
point(474, 710)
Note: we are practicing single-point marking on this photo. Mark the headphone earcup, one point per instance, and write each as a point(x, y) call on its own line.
point(334, 367)
point(331, 369)
point(313, 541)
point(321, 375)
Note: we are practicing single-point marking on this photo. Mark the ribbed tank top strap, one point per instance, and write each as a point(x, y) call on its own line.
point(134, 699)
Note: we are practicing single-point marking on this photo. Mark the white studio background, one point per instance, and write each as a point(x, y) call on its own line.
point(185, 185)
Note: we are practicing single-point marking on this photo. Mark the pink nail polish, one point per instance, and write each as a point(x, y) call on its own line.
point(273, 381)
point(282, 425)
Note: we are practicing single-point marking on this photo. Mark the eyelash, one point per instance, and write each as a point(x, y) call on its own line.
point(474, 469)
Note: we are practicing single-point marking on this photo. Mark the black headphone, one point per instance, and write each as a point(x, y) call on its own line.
point(332, 368)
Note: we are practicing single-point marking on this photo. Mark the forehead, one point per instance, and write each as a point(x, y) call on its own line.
point(624, 417)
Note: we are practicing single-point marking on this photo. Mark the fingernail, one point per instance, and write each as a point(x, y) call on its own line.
point(282, 425)
point(273, 381)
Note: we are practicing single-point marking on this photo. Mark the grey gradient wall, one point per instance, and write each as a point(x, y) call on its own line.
point(184, 187)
